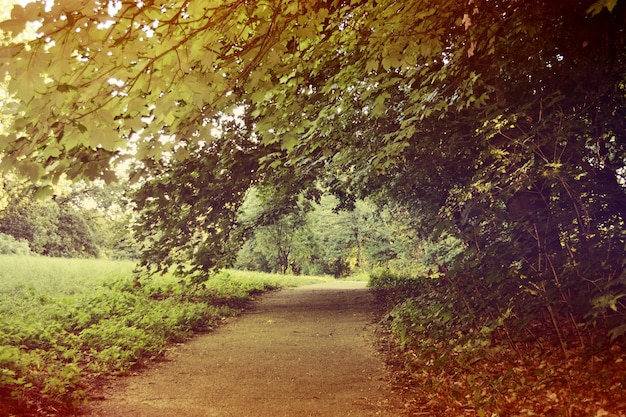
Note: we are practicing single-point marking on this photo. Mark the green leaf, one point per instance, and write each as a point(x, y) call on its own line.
point(105, 138)
point(6, 141)
point(277, 163)
point(44, 192)
point(109, 176)
point(372, 65)
point(181, 154)
point(597, 7)
point(289, 141)
point(20, 15)
point(92, 170)
point(379, 104)
point(63, 88)
point(31, 170)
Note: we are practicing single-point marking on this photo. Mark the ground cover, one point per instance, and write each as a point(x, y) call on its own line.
point(450, 363)
point(66, 322)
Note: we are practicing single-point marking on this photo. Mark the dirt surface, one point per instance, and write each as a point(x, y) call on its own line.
point(307, 351)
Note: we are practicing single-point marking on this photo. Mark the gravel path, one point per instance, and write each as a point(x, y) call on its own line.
point(307, 351)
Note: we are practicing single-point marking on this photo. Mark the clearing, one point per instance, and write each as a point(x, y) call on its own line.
point(306, 351)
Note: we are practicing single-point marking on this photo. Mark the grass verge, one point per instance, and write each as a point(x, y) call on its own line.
point(66, 322)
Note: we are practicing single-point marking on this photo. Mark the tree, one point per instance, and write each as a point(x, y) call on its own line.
point(496, 121)
point(188, 209)
point(11, 246)
point(280, 241)
point(355, 238)
point(52, 227)
point(107, 209)
point(79, 220)
point(316, 237)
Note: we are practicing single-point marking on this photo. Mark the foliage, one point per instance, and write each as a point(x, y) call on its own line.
point(114, 236)
point(497, 122)
point(107, 210)
point(281, 243)
point(338, 268)
point(63, 226)
point(63, 322)
point(358, 237)
point(457, 361)
point(11, 246)
point(188, 210)
point(49, 228)
point(315, 237)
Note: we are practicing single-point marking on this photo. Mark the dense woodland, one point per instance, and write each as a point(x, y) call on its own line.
point(474, 150)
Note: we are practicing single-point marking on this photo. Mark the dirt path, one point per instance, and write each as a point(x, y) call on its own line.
point(300, 352)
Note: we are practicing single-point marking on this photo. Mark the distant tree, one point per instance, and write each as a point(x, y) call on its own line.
point(114, 237)
point(75, 236)
point(24, 217)
point(358, 234)
point(281, 241)
point(60, 226)
point(107, 210)
point(319, 239)
point(50, 229)
point(12, 246)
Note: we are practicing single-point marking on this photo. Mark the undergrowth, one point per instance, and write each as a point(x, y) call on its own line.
point(65, 322)
point(458, 360)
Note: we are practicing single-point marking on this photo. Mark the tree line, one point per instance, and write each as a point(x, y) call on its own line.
point(80, 221)
point(89, 220)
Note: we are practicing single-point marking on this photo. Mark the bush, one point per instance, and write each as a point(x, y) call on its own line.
point(339, 268)
point(11, 246)
point(385, 279)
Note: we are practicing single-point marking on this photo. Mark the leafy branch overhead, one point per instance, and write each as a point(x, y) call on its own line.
point(498, 122)
point(91, 80)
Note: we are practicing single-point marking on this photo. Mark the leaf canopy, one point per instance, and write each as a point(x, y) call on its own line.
point(450, 108)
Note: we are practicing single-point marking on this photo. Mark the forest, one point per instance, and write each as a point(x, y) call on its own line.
point(96, 221)
point(468, 155)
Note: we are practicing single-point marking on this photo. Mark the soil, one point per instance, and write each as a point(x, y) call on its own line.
point(306, 351)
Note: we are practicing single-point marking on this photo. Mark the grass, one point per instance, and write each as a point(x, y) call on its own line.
point(58, 275)
point(66, 322)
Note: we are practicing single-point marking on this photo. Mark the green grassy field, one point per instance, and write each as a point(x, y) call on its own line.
point(65, 322)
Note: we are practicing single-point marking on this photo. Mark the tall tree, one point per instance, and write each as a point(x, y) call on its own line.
point(501, 120)
point(51, 227)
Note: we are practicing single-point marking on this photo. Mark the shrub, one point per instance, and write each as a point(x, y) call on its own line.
point(11, 246)
point(338, 268)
